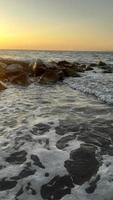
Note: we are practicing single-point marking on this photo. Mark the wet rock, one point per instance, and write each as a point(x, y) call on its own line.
point(92, 185)
point(99, 137)
point(101, 63)
point(63, 142)
point(51, 76)
point(21, 79)
point(29, 188)
point(24, 173)
point(37, 161)
point(40, 129)
point(3, 71)
point(92, 65)
point(70, 72)
point(14, 70)
point(39, 68)
point(89, 68)
point(7, 184)
point(82, 164)
point(66, 127)
point(17, 158)
point(108, 70)
point(64, 63)
point(21, 191)
point(57, 188)
point(2, 86)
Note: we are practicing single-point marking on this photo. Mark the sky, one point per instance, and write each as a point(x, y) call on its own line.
point(56, 24)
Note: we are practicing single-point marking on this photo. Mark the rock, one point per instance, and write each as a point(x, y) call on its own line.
point(7, 184)
point(57, 188)
point(40, 129)
point(70, 72)
point(66, 126)
point(92, 65)
point(82, 164)
point(21, 79)
point(109, 70)
point(14, 70)
point(64, 63)
point(101, 63)
point(39, 68)
point(24, 173)
point(92, 185)
point(37, 161)
point(17, 157)
point(89, 68)
point(79, 68)
point(63, 142)
point(3, 71)
point(2, 86)
point(51, 76)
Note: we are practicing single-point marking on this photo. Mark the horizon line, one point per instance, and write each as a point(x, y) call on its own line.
point(72, 50)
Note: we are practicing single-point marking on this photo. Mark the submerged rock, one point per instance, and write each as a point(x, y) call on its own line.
point(57, 188)
point(82, 164)
point(17, 157)
point(7, 184)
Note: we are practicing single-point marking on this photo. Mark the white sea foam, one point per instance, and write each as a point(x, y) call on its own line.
point(98, 84)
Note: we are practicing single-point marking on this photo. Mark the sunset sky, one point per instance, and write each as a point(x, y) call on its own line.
point(56, 24)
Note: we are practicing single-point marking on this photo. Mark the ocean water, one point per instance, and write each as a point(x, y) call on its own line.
point(45, 123)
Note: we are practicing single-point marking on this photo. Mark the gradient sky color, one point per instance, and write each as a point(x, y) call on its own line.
point(56, 24)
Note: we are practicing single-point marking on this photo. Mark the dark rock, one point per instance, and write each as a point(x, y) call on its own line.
point(70, 72)
point(66, 127)
point(64, 63)
point(40, 129)
point(20, 79)
point(82, 164)
point(3, 71)
point(17, 158)
point(19, 193)
point(92, 65)
point(39, 68)
point(6, 184)
point(46, 174)
point(62, 143)
point(51, 76)
point(57, 188)
point(14, 70)
point(24, 173)
point(92, 185)
point(101, 63)
point(29, 188)
point(108, 70)
point(37, 161)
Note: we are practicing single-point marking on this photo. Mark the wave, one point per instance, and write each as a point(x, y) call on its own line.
point(98, 84)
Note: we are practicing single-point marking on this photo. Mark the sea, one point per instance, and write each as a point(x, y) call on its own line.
point(40, 125)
